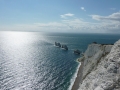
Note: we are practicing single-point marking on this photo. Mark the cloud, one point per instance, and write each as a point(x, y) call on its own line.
point(67, 15)
point(110, 23)
point(112, 17)
point(82, 8)
point(68, 25)
point(106, 24)
point(113, 8)
point(46, 27)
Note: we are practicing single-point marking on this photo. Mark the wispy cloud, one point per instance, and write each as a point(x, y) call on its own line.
point(114, 16)
point(106, 24)
point(82, 8)
point(67, 15)
point(110, 23)
point(113, 8)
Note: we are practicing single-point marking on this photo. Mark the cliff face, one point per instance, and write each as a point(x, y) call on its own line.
point(101, 69)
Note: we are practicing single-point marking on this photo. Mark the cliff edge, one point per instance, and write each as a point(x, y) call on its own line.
point(101, 69)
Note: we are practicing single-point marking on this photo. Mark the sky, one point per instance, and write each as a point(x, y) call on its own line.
point(78, 16)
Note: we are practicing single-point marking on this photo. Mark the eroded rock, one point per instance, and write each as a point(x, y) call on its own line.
point(101, 67)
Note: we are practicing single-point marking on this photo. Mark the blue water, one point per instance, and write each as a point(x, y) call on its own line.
point(30, 61)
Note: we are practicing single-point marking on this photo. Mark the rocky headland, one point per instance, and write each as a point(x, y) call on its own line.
point(101, 67)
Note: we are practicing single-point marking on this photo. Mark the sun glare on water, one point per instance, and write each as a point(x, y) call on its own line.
point(17, 38)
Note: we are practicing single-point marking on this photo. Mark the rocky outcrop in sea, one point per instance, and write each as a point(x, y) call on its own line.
point(101, 69)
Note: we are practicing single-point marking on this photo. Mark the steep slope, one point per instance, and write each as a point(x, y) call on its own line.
point(101, 69)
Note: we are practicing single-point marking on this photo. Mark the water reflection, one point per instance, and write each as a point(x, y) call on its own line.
point(17, 60)
point(29, 61)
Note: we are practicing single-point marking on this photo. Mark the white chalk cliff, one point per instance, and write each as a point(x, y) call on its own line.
point(101, 70)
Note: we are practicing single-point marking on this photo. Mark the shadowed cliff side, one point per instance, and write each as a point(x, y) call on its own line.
point(78, 78)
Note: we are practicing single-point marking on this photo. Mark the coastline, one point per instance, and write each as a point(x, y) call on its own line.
point(78, 78)
point(101, 67)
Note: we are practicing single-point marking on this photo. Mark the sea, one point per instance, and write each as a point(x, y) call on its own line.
point(31, 61)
